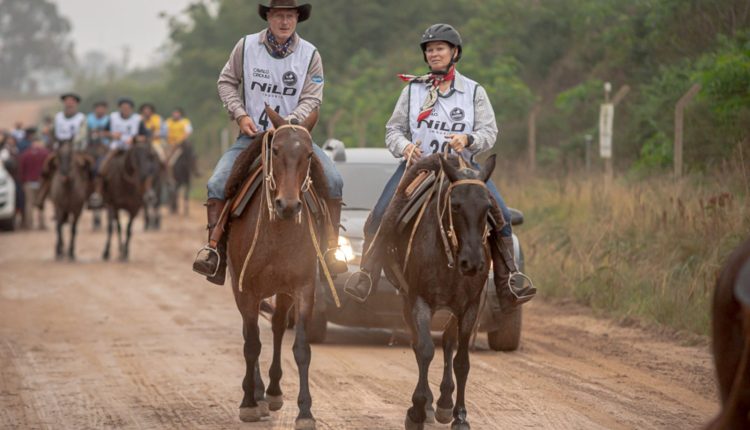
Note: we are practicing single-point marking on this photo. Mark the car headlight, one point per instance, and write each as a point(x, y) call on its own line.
point(345, 252)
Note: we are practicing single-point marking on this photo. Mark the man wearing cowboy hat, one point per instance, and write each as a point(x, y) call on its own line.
point(69, 126)
point(274, 67)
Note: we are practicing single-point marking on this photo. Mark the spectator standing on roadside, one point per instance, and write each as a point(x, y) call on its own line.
point(30, 165)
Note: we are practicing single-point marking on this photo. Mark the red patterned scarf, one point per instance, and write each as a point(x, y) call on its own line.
point(433, 82)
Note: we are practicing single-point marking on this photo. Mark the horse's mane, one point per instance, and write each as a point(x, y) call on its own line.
point(244, 162)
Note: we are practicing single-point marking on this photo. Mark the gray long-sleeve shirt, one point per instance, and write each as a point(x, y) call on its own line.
point(231, 89)
point(398, 131)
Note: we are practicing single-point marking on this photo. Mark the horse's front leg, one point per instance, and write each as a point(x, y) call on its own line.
point(279, 324)
point(59, 245)
point(249, 408)
point(110, 226)
point(424, 350)
point(72, 244)
point(444, 412)
point(125, 250)
point(461, 365)
point(302, 354)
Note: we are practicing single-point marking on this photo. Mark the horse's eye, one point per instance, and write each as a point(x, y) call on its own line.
point(309, 156)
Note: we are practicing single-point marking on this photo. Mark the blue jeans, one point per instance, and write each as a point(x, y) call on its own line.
point(390, 190)
point(223, 169)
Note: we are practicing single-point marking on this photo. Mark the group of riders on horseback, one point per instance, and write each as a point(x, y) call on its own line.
point(102, 135)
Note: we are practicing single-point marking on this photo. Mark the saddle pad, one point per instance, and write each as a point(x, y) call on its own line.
point(419, 180)
point(250, 187)
point(416, 199)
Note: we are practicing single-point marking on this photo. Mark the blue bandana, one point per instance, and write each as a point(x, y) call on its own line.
point(278, 50)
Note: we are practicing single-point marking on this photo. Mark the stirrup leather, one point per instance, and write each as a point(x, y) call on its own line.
point(218, 260)
point(348, 284)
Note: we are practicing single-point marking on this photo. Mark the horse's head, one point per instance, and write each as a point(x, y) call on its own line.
point(142, 160)
point(290, 162)
point(469, 202)
point(64, 161)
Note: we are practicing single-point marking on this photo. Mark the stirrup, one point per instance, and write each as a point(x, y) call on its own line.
point(348, 290)
point(531, 289)
point(218, 260)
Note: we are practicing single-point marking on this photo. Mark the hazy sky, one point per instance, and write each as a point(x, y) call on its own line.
point(109, 25)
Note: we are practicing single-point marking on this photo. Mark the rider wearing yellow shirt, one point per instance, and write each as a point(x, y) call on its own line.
point(177, 129)
point(153, 123)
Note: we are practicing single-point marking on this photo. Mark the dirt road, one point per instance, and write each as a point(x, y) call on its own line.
point(148, 344)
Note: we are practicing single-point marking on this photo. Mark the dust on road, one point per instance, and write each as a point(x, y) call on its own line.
point(149, 344)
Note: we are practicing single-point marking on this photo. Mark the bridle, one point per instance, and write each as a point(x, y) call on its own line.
point(267, 163)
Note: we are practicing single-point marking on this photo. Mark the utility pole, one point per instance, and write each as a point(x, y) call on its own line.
point(606, 118)
point(679, 117)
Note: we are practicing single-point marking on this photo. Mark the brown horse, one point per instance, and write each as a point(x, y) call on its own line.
point(126, 180)
point(454, 222)
point(69, 189)
point(271, 252)
point(731, 340)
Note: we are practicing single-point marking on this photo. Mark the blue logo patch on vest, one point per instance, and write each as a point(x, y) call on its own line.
point(317, 79)
point(457, 114)
point(290, 79)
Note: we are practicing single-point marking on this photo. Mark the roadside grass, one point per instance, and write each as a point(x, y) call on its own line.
point(644, 248)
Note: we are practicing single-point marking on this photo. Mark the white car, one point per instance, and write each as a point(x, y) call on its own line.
point(7, 199)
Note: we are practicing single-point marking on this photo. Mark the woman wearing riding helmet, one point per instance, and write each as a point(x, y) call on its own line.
point(437, 112)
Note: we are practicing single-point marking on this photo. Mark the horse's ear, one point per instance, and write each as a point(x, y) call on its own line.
point(275, 118)
point(448, 168)
point(489, 166)
point(311, 120)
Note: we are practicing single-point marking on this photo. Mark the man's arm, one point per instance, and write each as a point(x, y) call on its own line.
point(397, 132)
point(230, 90)
point(312, 90)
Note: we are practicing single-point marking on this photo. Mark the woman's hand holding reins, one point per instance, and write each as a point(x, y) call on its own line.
point(412, 153)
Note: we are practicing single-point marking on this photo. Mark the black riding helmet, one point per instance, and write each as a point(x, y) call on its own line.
point(442, 33)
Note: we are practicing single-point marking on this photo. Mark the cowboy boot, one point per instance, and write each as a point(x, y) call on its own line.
point(334, 265)
point(42, 194)
point(211, 259)
point(513, 287)
point(96, 200)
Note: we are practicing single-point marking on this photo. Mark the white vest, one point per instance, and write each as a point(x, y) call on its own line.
point(277, 82)
point(68, 128)
point(453, 114)
point(126, 127)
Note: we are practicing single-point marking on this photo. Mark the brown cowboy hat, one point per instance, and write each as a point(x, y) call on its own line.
point(304, 10)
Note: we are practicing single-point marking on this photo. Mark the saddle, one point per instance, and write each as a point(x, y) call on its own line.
point(416, 194)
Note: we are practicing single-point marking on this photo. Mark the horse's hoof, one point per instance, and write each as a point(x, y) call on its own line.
point(304, 424)
point(264, 408)
point(444, 415)
point(411, 425)
point(430, 419)
point(461, 426)
point(105, 257)
point(275, 402)
point(250, 415)
point(59, 257)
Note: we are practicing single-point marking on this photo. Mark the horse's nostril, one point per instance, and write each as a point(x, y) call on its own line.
point(298, 207)
point(279, 204)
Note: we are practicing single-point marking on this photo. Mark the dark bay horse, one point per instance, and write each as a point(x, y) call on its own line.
point(271, 252)
point(182, 172)
point(156, 174)
point(126, 180)
point(731, 340)
point(97, 149)
point(69, 189)
point(454, 221)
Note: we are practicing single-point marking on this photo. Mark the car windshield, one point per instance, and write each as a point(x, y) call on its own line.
point(363, 183)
